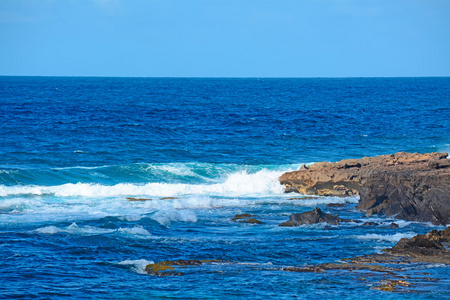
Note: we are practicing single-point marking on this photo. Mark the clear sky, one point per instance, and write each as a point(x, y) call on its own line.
point(225, 38)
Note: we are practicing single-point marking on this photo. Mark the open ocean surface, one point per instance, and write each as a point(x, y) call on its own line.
point(73, 149)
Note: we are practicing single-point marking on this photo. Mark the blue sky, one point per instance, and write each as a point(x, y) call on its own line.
point(225, 38)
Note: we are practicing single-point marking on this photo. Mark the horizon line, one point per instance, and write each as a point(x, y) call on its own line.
point(225, 77)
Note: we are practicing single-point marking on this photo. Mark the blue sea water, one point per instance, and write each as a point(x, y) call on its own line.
point(73, 149)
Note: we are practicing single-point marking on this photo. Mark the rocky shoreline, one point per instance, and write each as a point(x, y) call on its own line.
point(409, 186)
point(422, 248)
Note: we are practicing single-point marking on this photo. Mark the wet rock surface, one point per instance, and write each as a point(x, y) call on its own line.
point(241, 217)
point(173, 267)
point(313, 217)
point(409, 186)
point(246, 218)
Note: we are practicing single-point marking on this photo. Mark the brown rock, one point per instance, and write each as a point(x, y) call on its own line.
point(168, 267)
point(252, 221)
point(138, 199)
point(241, 217)
point(418, 249)
point(409, 186)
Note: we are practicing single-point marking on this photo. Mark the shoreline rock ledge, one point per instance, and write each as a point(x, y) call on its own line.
point(409, 186)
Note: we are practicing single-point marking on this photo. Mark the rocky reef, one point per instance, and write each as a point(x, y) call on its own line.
point(427, 248)
point(409, 186)
point(172, 267)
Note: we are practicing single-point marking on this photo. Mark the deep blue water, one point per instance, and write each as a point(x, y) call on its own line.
point(73, 149)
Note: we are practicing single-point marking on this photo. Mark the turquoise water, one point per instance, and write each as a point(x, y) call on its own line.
point(74, 149)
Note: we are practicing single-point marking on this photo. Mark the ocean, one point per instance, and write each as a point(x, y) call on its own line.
point(74, 151)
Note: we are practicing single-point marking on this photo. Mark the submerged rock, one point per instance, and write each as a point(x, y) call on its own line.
point(241, 217)
point(313, 217)
point(409, 186)
point(336, 205)
point(391, 285)
point(138, 199)
point(252, 221)
point(168, 267)
point(246, 218)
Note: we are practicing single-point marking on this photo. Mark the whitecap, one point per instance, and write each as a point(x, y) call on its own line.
point(49, 230)
point(137, 265)
point(74, 229)
point(236, 184)
point(388, 237)
point(137, 230)
point(166, 216)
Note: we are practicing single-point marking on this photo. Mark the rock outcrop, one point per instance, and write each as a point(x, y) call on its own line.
point(313, 217)
point(409, 186)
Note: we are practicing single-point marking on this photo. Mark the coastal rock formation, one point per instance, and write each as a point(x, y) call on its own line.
point(313, 217)
point(409, 186)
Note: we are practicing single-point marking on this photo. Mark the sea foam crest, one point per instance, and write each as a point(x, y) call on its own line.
point(92, 230)
point(388, 237)
point(137, 265)
point(236, 184)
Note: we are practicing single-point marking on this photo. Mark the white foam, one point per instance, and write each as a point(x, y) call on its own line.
point(136, 230)
point(166, 216)
point(388, 237)
point(137, 265)
point(49, 230)
point(91, 230)
point(74, 229)
point(236, 184)
point(132, 218)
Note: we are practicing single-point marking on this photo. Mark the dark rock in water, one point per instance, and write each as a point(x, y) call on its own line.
point(169, 198)
point(336, 205)
point(409, 186)
point(241, 217)
point(246, 218)
point(393, 226)
point(418, 245)
point(313, 217)
point(370, 224)
point(252, 221)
